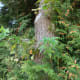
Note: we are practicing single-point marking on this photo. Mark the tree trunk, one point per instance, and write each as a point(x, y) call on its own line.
point(42, 24)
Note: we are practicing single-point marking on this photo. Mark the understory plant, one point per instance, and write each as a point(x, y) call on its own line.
point(56, 63)
point(61, 54)
point(14, 50)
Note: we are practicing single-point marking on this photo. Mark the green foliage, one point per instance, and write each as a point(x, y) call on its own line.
point(14, 50)
point(55, 64)
point(24, 22)
point(3, 32)
point(60, 61)
point(14, 14)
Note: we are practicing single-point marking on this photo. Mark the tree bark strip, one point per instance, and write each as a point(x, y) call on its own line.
point(42, 24)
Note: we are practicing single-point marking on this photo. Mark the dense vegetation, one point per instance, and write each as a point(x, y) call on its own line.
point(61, 54)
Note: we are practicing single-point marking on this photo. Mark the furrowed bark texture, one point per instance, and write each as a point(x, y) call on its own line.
point(42, 24)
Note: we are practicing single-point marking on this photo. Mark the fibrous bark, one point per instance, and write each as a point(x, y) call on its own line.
point(42, 24)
